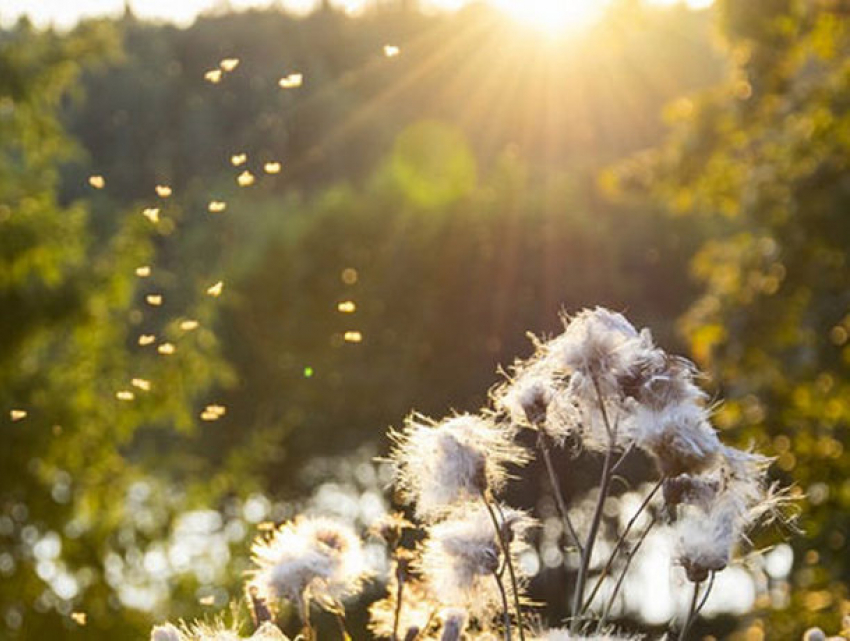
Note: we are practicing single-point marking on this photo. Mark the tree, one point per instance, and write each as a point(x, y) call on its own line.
point(81, 399)
point(764, 161)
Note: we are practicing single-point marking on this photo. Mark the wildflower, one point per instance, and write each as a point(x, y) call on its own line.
point(562, 634)
point(213, 76)
point(245, 179)
point(98, 182)
point(216, 632)
point(238, 159)
point(216, 206)
point(229, 64)
point(463, 553)
point(391, 51)
point(440, 464)
point(291, 81)
point(144, 271)
point(17, 415)
point(715, 523)
point(308, 559)
point(679, 437)
point(216, 289)
point(272, 167)
point(535, 397)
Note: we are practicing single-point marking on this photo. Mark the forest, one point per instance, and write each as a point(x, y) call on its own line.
point(232, 255)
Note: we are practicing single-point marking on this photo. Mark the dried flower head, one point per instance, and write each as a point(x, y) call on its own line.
point(462, 553)
point(214, 632)
point(562, 634)
point(713, 525)
point(679, 436)
point(313, 558)
point(438, 465)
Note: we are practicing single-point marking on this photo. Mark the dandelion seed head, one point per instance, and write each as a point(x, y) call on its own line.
point(213, 76)
point(563, 634)
point(215, 290)
point(151, 213)
point(141, 383)
point(440, 464)
point(166, 632)
point(313, 557)
point(202, 631)
point(680, 437)
point(291, 81)
point(461, 555)
point(166, 349)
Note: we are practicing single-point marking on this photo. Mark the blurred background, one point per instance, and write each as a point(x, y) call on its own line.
point(218, 290)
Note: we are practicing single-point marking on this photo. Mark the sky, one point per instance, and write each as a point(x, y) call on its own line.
point(65, 13)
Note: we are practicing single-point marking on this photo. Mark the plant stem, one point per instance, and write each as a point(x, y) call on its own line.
point(620, 542)
point(304, 607)
point(597, 515)
point(694, 614)
point(505, 609)
point(507, 553)
point(543, 446)
point(398, 596)
point(691, 611)
point(623, 573)
point(340, 621)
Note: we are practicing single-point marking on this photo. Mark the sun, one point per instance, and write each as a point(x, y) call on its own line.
point(553, 16)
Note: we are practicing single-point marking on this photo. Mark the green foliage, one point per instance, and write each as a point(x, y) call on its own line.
point(70, 312)
point(765, 159)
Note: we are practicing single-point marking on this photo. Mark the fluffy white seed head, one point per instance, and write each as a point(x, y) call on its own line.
point(166, 632)
point(679, 436)
point(314, 557)
point(715, 523)
point(438, 465)
point(563, 634)
point(462, 553)
point(199, 631)
point(598, 344)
